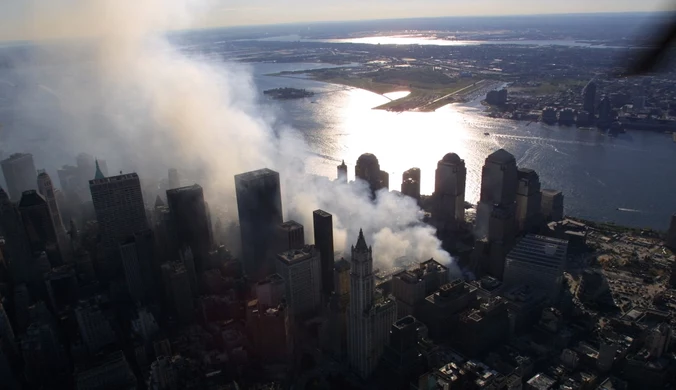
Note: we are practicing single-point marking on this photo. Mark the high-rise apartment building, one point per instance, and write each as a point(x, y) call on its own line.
point(410, 183)
point(259, 203)
point(368, 170)
point(537, 261)
point(449, 193)
point(301, 271)
point(323, 232)
point(120, 212)
point(369, 320)
point(190, 221)
point(19, 171)
point(528, 200)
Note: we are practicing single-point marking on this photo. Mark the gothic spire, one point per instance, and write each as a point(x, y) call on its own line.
point(361, 243)
point(99, 174)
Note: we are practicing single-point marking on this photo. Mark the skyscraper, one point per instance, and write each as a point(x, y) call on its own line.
point(259, 203)
point(94, 327)
point(368, 169)
point(120, 212)
point(19, 171)
point(552, 205)
point(301, 271)
point(499, 182)
point(40, 230)
point(449, 193)
point(290, 235)
point(46, 189)
point(178, 291)
point(537, 261)
point(174, 179)
point(132, 270)
point(410, 183)
point(18, 250)
point(342, 172)
point(323, 229)
point(528, 199)
point(589, 96)
point(369, 320)
point(190, 221)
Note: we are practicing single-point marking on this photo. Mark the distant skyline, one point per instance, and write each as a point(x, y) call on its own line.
point(24, 19)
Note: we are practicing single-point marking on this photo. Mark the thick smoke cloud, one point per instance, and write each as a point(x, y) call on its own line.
point(126, 94)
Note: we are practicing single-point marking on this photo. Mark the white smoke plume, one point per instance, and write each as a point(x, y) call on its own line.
point(126, 93)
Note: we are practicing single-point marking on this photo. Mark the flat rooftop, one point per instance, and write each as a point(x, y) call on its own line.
point(297, 255)
point(114, 179)
point(185, 189)
point(256, 175)
point(321, 213)
point(290, 226)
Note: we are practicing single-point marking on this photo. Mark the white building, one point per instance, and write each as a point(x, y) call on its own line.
point(301, 271)
point(369, 320)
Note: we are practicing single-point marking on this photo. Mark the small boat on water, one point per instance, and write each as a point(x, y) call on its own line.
point(487, 133)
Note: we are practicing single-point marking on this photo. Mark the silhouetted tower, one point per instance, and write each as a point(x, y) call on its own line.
point(174, 180)
point(191, 222)
point(40, 230)
point(259, 203)
point(16, 243)
point(342, 172)
point(19, 171)
point(410, 183)
point(528, 199)
point(46, 189)
point(368, 169)
point(323, 227)
point(449, 193)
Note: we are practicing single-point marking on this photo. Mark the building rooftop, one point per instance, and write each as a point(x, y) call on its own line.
point(541, 382)
point(256, 175)
point(194, 187)
point(31, 198)
point(271, 279)
point(551, 192)
point(367, 159)
point(114, 179)
point(539, 251)
point(17, 156)
point(297, 255)
point(321, 213)
point(452, 158)
point(290, 226)
point(501, 156)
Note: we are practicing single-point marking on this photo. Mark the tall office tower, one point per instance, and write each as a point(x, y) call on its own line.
point(39, 225)
point(589, 97)
point(290, 235)
point(62, 287)
point(537, 261)
point(323, 227)
point(270, 291)
point(6, 331)
point(301, 271)
point(191, 221)
point(552, 205)
point(449, 193)
point(132, 270)
point(368, 169)
point(411, 287)
point(19, 171)
point(369, 320)
point(342, 172)
point(528, 200)
point(177, 289)
point(44, 356)
point(94, 327)
point(402, 358)
point(120, 212)
point(259, 203)
point(18, 249)
point(335, 330)
point(174, 179)
point(441, 309)
point(410, 183)
point(341, 279)
point(671, 234)
point(110, 372)
point(46, 189)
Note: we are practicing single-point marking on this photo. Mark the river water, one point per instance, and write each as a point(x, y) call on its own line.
point(629, 180)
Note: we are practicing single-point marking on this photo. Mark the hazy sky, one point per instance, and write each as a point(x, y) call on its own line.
point(15, 14)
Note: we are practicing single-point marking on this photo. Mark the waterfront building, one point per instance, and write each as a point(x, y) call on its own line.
point(410, 183)
point(449, 193)
point(368, 170)
point(552, 205)
point(528, 200)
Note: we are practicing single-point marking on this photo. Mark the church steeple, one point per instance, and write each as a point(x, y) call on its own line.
point(98, 174)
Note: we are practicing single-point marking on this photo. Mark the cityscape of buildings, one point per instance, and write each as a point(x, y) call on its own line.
point(111, 291)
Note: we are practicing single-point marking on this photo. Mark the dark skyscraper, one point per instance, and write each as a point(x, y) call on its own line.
point(449, 193)
point(368, 169)
point(342, 172)
point(19, 171)
point(16, 242)
point(410, 183)
point(589, 96)
point(191, 222)
point(290, 235)
point(46, 189)
point(37, 221)
point(259, 203)
point(528, 199)
point(120, 212)
point(323, 227)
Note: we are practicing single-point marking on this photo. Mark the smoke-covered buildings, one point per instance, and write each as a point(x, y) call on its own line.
point(19, 171)
point(368, 170)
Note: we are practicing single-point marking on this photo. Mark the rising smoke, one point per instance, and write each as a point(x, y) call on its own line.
point(126, 93)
